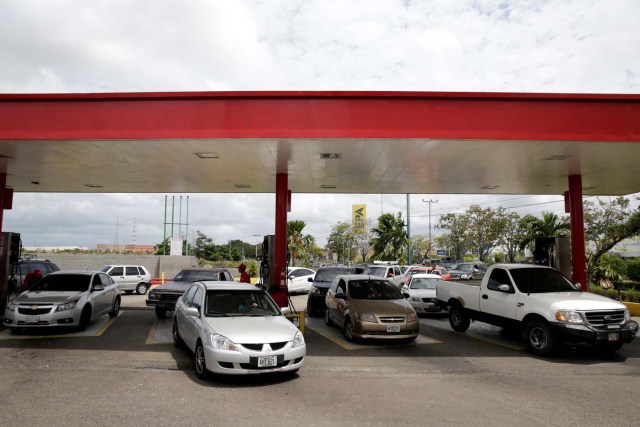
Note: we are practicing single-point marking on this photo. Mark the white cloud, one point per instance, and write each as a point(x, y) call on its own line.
point(161, 45)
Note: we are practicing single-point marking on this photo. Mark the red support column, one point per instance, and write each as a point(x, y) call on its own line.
point(3, 184)
point(578, 258)
point(279, 292)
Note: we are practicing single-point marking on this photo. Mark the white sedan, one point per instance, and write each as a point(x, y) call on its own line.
point(298, 279)
point(64, 299)
point(422, 292)
point(236, 329)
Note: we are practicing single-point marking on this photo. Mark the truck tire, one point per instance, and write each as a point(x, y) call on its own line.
point(540, 341)
point(458, 318)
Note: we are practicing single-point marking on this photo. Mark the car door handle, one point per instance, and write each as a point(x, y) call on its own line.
point(485, 296)
point(520, 304)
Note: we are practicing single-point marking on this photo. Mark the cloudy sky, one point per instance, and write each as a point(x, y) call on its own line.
point(65, 46)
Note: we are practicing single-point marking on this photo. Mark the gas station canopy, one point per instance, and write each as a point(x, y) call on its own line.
point(326, 142)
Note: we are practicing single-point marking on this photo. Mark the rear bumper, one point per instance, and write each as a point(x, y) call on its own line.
point(591, 335)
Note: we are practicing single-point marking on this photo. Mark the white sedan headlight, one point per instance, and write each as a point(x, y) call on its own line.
point(220, 342)
point(366, 317)
point(569, 316)
point(67, 306)
point(298, 340)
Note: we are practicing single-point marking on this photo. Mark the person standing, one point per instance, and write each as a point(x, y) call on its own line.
point(244, 276)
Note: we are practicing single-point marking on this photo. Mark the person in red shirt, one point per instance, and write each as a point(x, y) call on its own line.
point(244, 276)
point(30, 279)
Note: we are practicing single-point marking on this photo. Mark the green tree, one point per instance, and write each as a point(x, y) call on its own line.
point(419, 248)
point(390, 237)
point(486, 227)
point(606, 224)
point(457, 240)
point(342, 241)
point(550, 225)
point(513, 233)
point(299, 244)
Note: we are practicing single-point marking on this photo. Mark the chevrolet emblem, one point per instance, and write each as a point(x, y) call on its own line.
point(34, 307)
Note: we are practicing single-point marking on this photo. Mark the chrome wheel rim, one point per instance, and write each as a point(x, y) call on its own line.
point(538, 338)
point(348, 330)
point(200, 363)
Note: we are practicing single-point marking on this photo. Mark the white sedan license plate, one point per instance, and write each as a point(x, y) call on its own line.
point(614, 336)
point(265, 361)
point(32, 319)
point(393, 328)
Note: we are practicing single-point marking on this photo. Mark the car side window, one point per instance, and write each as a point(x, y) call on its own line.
point(188, 296)
point(498, 277)
point(96, 281)
point(116, 271)
point(142, 271)
point(342, 287)
point(105, 280)
point(132, 271)
point(396, 271)
point(197, 298)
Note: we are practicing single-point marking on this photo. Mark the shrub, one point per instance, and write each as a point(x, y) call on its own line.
point(633, 270)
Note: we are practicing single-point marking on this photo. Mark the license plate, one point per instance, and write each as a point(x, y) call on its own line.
point(265, 361)
point(32, 319)
point(393, 328)
point(614, 336)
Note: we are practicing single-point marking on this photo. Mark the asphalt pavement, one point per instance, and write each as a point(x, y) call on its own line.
point(127, 372)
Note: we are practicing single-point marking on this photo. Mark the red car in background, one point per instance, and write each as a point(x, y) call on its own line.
point(441, 271)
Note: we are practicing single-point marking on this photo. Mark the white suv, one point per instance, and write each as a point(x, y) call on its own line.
point(129, 277)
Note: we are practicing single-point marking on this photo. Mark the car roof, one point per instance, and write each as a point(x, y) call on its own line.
point(227, 285)
point(87, 272)
point(425, 276)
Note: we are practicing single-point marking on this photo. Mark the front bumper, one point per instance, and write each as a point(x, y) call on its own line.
point(51, 319)
point(596, 335)
point(245, 362)
point(370, 330)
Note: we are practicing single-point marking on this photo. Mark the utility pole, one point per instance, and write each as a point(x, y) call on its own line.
point(430, 201)
point(258, 236)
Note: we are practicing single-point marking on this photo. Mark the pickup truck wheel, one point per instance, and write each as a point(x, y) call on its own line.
point(141, 289)
point(540, 340)
point(161, 312)
point(458, 318)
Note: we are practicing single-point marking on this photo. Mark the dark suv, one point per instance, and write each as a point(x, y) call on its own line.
point(323, 278)
point(27, 266)
point(164, 297)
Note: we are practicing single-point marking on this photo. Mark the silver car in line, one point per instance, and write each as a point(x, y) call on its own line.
point(64, 299)
point(234, 328)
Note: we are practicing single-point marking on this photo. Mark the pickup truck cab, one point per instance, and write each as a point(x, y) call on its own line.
point(541, 304)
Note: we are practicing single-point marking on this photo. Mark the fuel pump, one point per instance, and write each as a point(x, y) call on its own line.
point(10, 252)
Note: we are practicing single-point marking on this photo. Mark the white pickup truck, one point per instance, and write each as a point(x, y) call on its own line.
point(541, 304)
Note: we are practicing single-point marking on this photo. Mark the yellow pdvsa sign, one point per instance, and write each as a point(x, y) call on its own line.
point(359, 218)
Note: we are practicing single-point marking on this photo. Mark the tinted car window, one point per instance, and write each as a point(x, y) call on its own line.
point(63, 282)
point(341, 289)
point(197, 298)
point(376, 271)
point(498, 277)
point(537, 280)
point(106, 280)
point(188, 297)
point(116, 271)
point(132, 271)
point(328, 274)
point(373, 289)
point(225, 303)
point(198, 275)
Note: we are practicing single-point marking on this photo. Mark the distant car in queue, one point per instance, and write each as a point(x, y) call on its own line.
point(64, 299)
point(164, 297)
point(422, 292)
point(320, 284)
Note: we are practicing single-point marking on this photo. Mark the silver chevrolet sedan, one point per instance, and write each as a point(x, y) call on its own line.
point(64, 299)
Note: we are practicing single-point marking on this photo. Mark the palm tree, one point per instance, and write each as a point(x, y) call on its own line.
point(551, 225)
point(390, 237)
point(299, 245)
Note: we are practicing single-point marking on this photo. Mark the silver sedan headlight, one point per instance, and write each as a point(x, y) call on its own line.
point(220, 342)
point(567, 316)
point(415, 299)
point(298, 340)
point(67, 306)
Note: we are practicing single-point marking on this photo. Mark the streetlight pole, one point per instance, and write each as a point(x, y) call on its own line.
point(430, 201)
point(258, 236)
